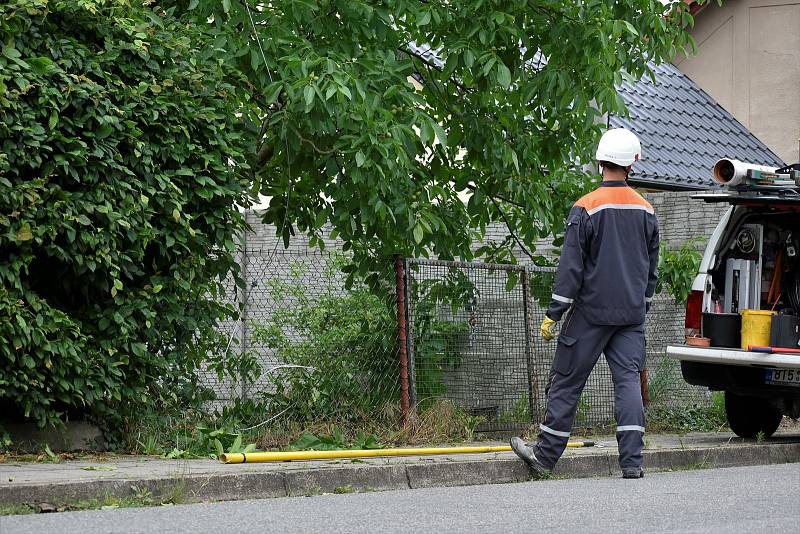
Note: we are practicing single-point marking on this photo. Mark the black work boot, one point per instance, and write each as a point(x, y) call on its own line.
point(632, 472)
point(525, 452)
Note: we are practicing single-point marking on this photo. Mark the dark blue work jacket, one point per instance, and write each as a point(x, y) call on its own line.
point(608, 265)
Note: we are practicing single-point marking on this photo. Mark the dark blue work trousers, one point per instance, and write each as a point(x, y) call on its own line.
point(579, 347)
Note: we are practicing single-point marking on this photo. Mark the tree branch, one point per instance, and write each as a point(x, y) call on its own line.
point(265, 152)
point(498, 197)
point(430, 65)
point(508, 226)
point(550, 11)
point(420, 57)
point(310, 142)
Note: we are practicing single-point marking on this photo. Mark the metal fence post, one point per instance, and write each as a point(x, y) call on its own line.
point(243, 312)
point(533, 383)
point(412, 377)
point(402, 336)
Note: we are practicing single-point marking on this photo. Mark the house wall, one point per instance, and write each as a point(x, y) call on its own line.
point(748, 60)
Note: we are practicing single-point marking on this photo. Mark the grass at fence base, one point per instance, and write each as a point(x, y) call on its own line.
point(673, 419)
point(192, 434)
point(439, 421)
point(690, 417)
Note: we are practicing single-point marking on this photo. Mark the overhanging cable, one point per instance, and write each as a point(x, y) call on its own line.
point(288, 168)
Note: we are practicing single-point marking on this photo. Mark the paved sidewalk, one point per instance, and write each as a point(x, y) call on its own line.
point(209, 480)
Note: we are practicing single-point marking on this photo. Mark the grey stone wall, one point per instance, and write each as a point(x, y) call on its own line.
point(681, 218)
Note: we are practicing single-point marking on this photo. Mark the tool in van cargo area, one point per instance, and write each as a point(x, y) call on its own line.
point(773, 350)
point(774, 293)
point(723, 329)
point(742, 285)
point(785, 331)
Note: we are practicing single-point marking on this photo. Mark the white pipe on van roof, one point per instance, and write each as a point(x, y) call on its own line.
point(732, 172)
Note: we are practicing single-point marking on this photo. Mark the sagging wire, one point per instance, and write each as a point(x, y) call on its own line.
point(246, 4)
point(262, 423)
point(288, 166)
point(291, 366)
point(271, 369)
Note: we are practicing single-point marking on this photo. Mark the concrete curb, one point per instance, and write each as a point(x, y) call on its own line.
point(412, 475)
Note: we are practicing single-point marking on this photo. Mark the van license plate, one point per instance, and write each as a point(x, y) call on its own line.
point(783, 377)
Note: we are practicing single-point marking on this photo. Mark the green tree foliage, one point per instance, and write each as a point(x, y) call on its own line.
point(677, 269)
point(506, 111)
point(119, 150)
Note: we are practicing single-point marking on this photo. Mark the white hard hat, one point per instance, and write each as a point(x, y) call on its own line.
point(619, 146)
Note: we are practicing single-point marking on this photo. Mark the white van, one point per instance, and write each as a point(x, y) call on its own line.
point(751, 262)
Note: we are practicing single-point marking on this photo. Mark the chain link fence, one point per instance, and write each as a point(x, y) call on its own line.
point(322, 352)
point(470, 338)
point(474, 330)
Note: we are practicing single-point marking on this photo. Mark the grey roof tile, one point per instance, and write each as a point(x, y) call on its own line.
point(683, 132)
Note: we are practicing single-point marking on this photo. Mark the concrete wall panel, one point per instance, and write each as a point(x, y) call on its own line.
point(715, 78)
point(774, 81)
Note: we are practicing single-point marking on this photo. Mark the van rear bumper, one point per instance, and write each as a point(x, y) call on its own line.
point(735, 357)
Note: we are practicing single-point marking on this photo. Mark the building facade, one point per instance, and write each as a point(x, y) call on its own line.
point(748, 60)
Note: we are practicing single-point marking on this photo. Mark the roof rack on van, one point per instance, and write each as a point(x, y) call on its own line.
point(744, 176)
point(759, 180)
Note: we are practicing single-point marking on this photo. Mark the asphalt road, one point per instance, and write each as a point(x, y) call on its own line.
point(746, 499)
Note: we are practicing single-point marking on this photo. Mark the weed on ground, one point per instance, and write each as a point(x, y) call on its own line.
point(689, 418)
point(44, 458)
point(17, 509)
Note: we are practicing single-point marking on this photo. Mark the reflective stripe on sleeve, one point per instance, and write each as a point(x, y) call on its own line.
point(554, 432)
point(627, 428)
point(559, 298)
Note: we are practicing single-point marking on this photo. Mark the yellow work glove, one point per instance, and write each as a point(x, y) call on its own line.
point(547, 328)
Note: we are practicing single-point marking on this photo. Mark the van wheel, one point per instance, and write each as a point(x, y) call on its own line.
point(749, 416)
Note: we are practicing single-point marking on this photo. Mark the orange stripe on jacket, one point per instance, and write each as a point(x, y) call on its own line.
point(613, 197)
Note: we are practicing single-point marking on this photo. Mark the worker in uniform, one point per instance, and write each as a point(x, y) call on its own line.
point(604, 285)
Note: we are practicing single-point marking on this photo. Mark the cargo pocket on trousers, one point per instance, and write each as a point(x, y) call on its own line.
point(565, 355)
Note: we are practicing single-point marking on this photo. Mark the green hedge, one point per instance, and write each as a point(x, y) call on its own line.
point(120, 162)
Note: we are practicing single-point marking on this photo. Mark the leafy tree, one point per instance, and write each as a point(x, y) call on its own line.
point(677, 268)
point(119, 150)
point(130, 130)
point(361, 128)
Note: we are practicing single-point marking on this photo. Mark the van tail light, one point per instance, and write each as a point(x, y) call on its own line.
point(694, 311)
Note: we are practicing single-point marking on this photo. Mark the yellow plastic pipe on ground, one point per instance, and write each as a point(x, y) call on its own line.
point(258, 457)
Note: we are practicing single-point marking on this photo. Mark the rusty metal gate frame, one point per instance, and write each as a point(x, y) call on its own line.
point(534, 397)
